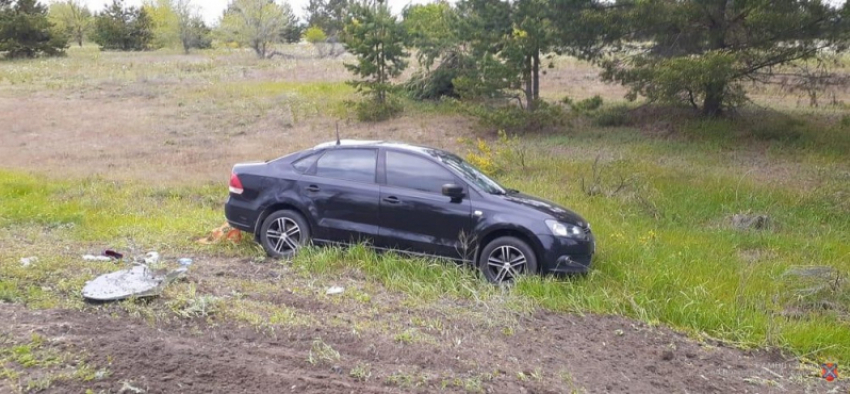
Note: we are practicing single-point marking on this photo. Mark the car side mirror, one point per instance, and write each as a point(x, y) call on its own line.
point(453, 190)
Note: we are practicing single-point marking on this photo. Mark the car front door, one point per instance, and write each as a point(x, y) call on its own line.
point(414, 214)
point(342, 196)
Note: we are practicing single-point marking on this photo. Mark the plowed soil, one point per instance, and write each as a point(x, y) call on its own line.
point(545, 352)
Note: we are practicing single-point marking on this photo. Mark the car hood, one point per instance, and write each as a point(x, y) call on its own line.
point(556, 211)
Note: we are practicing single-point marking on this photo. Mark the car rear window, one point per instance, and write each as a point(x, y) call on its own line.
point(350, 164)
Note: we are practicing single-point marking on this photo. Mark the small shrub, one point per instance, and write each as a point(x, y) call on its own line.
point(315, 35)
point(612, 117)
point(514, 119)
point(789, 130)
point(507, 151)
point(373, 111)
point(583, 106)
point(431, 85)
point(482, 157)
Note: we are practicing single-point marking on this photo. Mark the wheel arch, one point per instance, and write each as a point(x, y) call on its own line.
point(516, 232)
point(279, 206)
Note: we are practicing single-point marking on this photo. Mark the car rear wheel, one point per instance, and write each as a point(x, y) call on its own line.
point(283, 233)
point(505, 259)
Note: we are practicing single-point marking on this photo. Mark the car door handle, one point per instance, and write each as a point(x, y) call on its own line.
point(312, 188)
point(392, 200)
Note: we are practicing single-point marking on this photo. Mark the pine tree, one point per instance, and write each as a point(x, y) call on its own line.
point(377, 39)
point(507, 41)
point(25, 30)
point(328, 15)
point(123, 29)
point(702, 52)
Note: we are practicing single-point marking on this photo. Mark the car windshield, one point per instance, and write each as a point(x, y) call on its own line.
point(471, 174)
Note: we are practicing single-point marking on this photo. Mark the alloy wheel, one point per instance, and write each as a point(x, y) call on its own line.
point(284, 235)
point(506, 263)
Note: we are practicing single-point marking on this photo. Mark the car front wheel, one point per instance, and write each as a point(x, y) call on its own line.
point(283, 233)
point(505, 259)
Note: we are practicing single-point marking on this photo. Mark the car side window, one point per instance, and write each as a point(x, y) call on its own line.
point(350, 164)
point(303, 164)
point(412, 172)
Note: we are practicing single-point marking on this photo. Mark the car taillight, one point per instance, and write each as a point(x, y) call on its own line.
point(235, 184)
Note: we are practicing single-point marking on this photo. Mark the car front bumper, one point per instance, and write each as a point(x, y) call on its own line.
point(565, 255)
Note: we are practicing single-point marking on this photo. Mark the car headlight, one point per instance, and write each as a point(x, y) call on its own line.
point(564, 230)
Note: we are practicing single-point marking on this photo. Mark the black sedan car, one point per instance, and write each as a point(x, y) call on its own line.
point(407, 198)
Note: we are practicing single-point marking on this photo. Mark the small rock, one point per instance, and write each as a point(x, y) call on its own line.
point(334, 290)
point(822, 272)
point(745, 221)
point(337, 369)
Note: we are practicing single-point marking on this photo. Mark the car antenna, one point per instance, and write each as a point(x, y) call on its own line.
point(337, 132)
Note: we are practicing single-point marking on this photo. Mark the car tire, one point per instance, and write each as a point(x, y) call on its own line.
point(284, 244)
point(518, 255)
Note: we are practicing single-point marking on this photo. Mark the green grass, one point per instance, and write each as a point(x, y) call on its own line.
point(668, 254)
point(93, 209)
point(59, 221)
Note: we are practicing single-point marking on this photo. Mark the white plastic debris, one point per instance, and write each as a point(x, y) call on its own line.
point(185, 262)
point(152, 258)
point(335, 290)
point(28, 261)
point(91, 257)
point(137, 281)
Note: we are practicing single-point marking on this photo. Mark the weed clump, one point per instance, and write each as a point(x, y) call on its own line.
point(322, 353)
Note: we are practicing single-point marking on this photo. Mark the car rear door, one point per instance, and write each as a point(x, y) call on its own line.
point(414, 214)
point(341, 195)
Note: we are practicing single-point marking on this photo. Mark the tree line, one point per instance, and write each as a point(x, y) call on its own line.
point(700, 53)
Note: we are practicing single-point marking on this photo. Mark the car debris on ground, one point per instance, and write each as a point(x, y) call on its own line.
point(91, 257)
point(107, 255)
point(142, 279)
point(333, 290)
